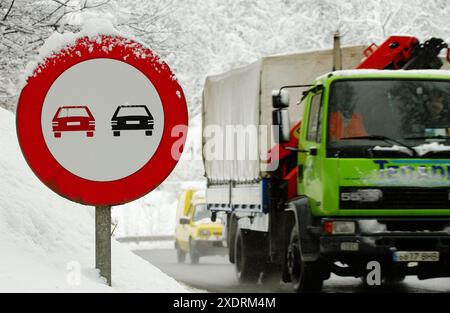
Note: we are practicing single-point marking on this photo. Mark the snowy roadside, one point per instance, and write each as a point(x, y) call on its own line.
point(47, 242)
point(155, 245)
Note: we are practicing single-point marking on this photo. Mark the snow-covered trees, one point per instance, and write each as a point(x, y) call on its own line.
point(24, 25)
point(202, 37)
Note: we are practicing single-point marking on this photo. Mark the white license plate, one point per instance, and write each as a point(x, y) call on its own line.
point(73, 123)
point(133, 122)
point(416, 256)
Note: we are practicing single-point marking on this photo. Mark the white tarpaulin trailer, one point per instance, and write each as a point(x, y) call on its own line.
point(243, 98)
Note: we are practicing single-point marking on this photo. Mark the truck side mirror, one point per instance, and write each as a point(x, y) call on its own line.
point(280, 99)
point(213, 216)
point(185, 221)
point(281, 126)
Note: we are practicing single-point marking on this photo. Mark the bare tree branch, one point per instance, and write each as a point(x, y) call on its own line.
point(9, 10)
point(96, 5)
point(61, 3)
point(67, 11)
point(51, 13)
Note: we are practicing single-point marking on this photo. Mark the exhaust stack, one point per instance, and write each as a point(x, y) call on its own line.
point(337, 52)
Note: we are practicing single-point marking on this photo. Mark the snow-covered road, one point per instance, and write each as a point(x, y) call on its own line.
point(216, 274)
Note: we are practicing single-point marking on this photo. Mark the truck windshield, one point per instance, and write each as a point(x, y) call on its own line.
point(200, 212)
point(411, 112)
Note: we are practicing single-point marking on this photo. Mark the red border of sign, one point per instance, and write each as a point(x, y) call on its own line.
point(60, 180)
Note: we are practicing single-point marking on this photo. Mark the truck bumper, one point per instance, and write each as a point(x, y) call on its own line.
point(383, 244)
point(362, 248)
point(382, 248)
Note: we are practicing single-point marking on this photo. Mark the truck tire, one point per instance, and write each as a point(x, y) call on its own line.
point(393, 277)
point(271, 275)
point(305, 277)
point(193, 253)
point(246, 260)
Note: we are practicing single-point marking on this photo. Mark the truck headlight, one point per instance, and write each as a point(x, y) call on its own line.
point(362, 195)
point(205, 232)
point(339, 227)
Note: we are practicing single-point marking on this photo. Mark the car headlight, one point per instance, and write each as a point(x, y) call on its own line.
point(205, 232)
point(339, 227)
point(362, 195)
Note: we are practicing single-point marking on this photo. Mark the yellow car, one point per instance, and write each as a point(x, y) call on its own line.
point(195, 233)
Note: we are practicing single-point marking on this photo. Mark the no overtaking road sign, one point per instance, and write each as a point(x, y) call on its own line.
point(100, 120)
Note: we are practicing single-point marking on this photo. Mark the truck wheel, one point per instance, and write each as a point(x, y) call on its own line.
point(193, 253)
point(394, 278)
point(304, 276)
point(271, 275)
point(57, 135)
point(246, 262)
point(116, 133)
point(148, 133)
point(181, 255)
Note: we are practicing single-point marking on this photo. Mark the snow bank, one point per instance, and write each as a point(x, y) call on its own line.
point(47, 242)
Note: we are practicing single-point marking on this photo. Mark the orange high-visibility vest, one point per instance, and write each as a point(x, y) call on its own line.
point(355, 127)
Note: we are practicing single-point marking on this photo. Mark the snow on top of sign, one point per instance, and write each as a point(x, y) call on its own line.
point(94, 29)
point(91, 28)
point(58, 41)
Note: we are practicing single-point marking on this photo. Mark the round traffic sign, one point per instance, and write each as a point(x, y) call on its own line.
point(103, 121)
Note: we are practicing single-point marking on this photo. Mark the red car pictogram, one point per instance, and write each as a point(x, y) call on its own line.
point(73, 118)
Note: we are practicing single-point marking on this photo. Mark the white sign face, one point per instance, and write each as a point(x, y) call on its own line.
point(102, 120)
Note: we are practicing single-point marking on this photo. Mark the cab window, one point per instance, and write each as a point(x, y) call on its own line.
point(315, 119)
point(200, 212)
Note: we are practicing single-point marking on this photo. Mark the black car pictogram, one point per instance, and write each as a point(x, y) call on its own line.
point(132, 117)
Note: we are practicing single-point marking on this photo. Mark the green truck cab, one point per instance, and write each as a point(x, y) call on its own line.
point(373, 178)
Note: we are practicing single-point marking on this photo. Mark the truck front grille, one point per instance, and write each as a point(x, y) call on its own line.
point(401, 198)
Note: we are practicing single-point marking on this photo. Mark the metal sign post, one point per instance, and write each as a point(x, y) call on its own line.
point(103, 241)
